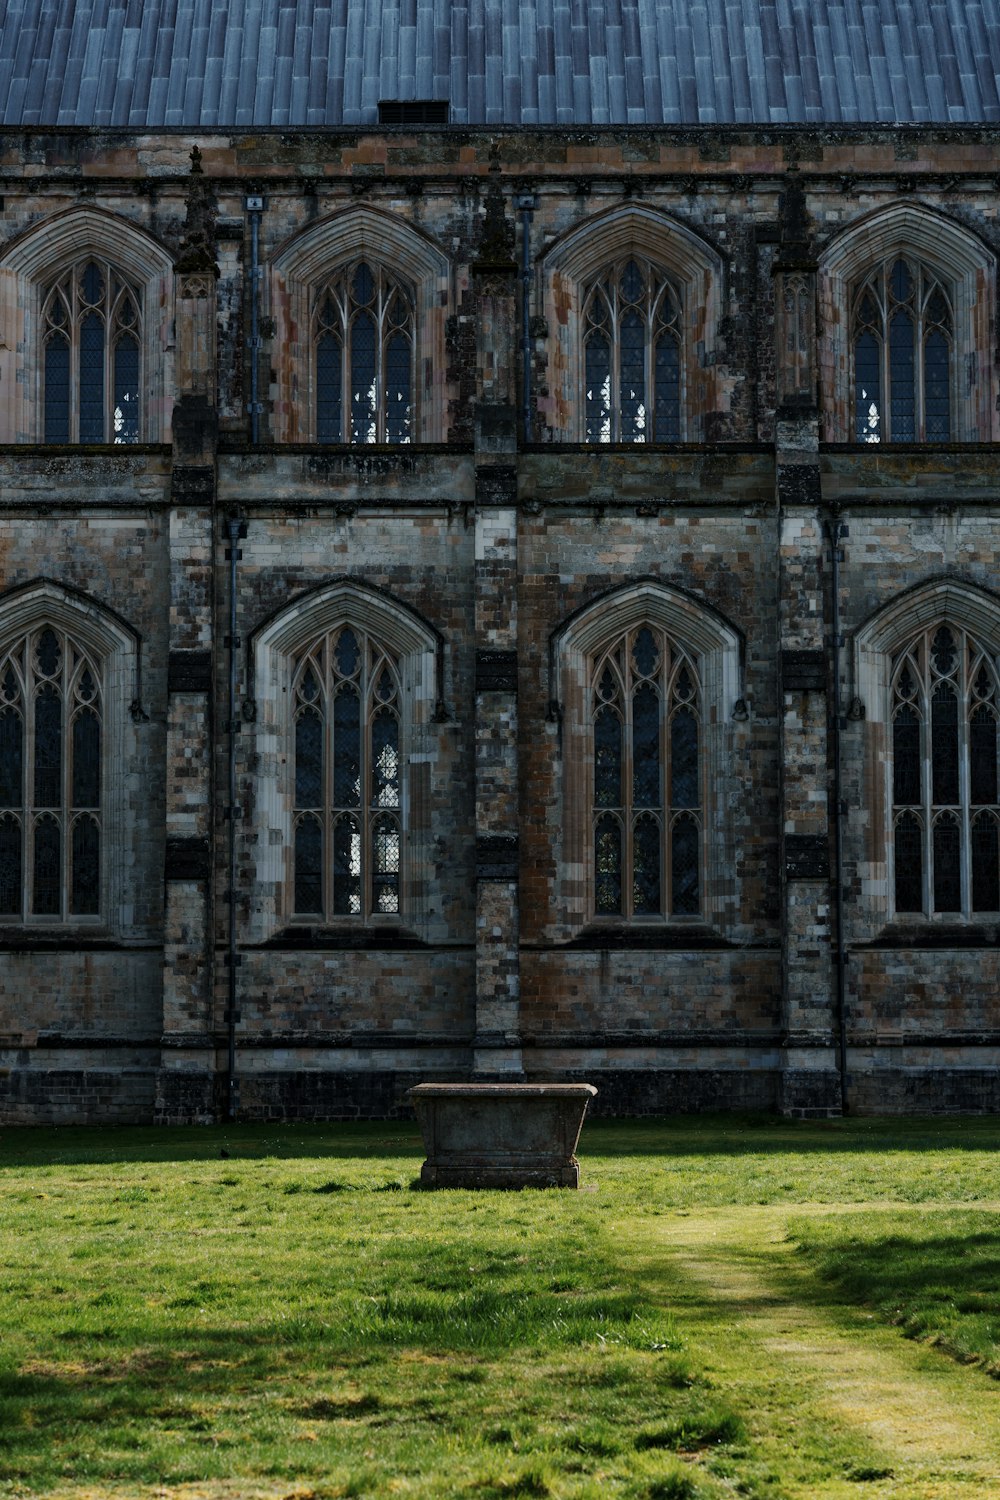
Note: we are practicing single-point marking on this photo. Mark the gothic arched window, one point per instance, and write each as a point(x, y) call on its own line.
point(902, 328)
point(647, 786)
point(363, 350)
point(92, 322)
point(946, 802)
point(51, 734)
point(632, 355)
point(348, 798)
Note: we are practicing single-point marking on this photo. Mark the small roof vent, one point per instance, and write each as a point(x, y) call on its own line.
point(413, 111)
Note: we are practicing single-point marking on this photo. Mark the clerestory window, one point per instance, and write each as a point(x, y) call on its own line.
point(51, 794)
point(647, 782)
point(945, 697)
point(91, 369)
point(363, 324)
point(349, 793)
point(632, 355)
point(902, 341)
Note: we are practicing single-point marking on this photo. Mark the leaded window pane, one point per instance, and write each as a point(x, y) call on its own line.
point(309, 866)
point(86, 759)
point(385, 759)
point(346, 748)
point(11, 758)
point(906, 757)
point(684, 849)
point(646, 866)
point(631, 355)
point(986, 863)
point(901, 342)
point(937, 404)
point(91, 398)
point(385, 866)
point(868, 394)
point(86, 876)
point(57, 389)
point(608, 866)
point(947, 865)
point(11, 878)
point(363, 335)
point(125, 417)
point(48, 748)
point(645, 722)
point(909, 846)
point(983, 756)
point(347, 867)
point(944, 745)
point(47, 885)
point(308, 759)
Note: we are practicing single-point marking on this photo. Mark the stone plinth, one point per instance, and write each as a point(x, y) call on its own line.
point(501, 1135)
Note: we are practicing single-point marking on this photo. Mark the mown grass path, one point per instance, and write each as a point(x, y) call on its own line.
point(816, 1373)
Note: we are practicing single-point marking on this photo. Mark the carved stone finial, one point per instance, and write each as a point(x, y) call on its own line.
point(796, 238)
point(496, 239)
point(197, 254)
point(196, 167)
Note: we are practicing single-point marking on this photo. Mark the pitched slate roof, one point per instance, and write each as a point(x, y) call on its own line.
point(515, 62)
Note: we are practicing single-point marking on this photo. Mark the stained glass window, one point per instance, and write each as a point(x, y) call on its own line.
point(91, 365)
point(902, 338)
point(631, 355)
point(347, 778)
point(647, 805)
point(51, 772)
point(363, 342)
point(946, 817)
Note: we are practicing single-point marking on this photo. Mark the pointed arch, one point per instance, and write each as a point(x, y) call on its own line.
point(646, 678)
point(335, 844)
point(927, 670)
point(33, 262)
point(68, 677)
point(678, 269)
point(403, 260)
point(942, 251)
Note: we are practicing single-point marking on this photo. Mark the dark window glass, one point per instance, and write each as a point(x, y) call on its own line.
point(937, 403)
point(10, 867)
point(92, 379)
point(385, 759)
point(944, 746)
point(684, 759)
point(985, 864)
point(11, 758)
point(646, 747)
point(668, 389)
point(608, 862)
point(385, 866)
point(397, 389)
point(906, 757)
point(346, 867)
point(868, 393)
point(909, 861)
point(49, 654)
point(901, 365)
point(646, 867)
point(598, 394)
point(86, 759)
point(309, 867)
point(48, 748)
point(347, 656)
point(86, 881)
point(57, 389)
point(48, 869)
point(364, 393)
point(947, 871)
point(632, 375)
point(645, 653)
point(983, 756)
point(126, 412)
point(329, 397)
point(346, 748)
point(684, 862)
point(607, 758)
point(308, 759)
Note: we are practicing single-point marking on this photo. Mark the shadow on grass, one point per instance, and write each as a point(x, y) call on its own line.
point(676, 1136)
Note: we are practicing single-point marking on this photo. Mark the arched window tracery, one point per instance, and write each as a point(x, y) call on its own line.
point(51, 774)
point(945, 702)
point(92, 380)
point(632, 355)
point(902, 336)
point(363, 342)
point(349, 794)
point(647, 811)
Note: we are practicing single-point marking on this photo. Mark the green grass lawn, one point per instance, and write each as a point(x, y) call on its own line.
point(728, 1307)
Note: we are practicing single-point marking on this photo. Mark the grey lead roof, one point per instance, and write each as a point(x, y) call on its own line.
point(498, 62)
